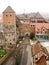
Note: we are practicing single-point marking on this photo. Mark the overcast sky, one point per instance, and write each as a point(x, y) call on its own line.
point(21, 6)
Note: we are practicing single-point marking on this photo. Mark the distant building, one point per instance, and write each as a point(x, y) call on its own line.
point(32, 17)
point(42, 31)
point(14, 25)
point(41, 25)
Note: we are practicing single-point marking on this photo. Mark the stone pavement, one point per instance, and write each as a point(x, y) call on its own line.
point(10, 61)
point(27, 56)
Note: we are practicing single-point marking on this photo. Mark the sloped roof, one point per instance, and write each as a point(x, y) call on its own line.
point(22, 16)
point(8, 10)
point(30, 15)
point(35, 15)
point(38, 15)
point(37, 48)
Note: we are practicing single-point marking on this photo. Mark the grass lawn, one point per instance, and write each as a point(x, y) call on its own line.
point(2, 53)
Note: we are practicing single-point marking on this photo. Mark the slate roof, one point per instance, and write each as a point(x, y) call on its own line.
point(8, 10)
point(30, 15)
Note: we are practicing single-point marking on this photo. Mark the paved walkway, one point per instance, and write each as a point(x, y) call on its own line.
point(27, 56)
point(10, 61)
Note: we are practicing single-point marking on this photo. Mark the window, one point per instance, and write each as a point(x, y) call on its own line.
point(6, 27)
point(5, 40)
point(17, 33)
point(39, 21)
point(14, 39)
point(37, 32)
point(37, 36)
point(10, 40)
point(24, 21)
point(10, 15)
point(31, 25)
point(9, 35)
point(36, 58)
point(10, 43)
point(12, 33)
point(33, 21)
point(6, 15)
point(41, 36)
point(43, 29)
point(17, 25)
point(26, 34)
point(45, 32)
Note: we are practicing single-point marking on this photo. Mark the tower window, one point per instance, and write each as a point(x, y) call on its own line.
point(5, 39)
point(10, 39)
point(12, 33)
point(9, 35)
point(14, 39)
point(10, 43)
point(10, 15)
point(6, 15)
point(6, 27)
point(31, 25)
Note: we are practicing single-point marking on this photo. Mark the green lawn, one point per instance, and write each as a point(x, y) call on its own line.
point(2, 53)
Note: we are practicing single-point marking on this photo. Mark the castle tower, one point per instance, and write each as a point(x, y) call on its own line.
point(9, 25)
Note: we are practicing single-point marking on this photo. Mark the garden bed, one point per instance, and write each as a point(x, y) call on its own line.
point(6, 54)
point(2, 53)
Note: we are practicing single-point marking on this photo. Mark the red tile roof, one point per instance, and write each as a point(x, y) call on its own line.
point(36, 49)
point(38, 26)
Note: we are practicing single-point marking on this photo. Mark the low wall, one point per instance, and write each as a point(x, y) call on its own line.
point(7, 55)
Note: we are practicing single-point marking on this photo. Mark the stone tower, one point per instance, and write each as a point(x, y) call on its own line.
point(9, 25)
